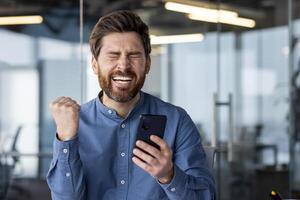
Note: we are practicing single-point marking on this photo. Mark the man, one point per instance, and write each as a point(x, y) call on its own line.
point(96, 155)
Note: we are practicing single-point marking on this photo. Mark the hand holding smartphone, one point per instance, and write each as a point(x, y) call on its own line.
point(151, 125)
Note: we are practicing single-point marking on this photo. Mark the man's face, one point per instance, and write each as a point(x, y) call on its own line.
point(121, 66)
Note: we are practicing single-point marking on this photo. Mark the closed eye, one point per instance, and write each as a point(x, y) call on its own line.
point(135, 55)
point(113, 55)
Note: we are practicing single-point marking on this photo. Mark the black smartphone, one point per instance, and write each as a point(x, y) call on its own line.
point(151, 125)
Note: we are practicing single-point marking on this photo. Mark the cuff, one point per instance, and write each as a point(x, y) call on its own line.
point(65, 150)
point(177, 186)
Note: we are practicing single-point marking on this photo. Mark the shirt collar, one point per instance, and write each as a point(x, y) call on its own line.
point(111, 113)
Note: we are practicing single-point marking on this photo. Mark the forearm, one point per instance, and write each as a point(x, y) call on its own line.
point(65, 177)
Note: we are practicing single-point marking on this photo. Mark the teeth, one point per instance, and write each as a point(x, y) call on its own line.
point(122, 78)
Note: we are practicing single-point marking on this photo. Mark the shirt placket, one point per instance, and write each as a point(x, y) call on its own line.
point(123, 158)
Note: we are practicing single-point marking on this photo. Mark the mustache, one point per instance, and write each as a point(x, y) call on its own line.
point(129, 73)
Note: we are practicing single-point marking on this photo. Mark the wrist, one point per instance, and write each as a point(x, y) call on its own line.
point(64, 138)
point(168, 178)
point(64, 135)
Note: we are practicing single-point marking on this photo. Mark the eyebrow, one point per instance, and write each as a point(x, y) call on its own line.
point(134, 53)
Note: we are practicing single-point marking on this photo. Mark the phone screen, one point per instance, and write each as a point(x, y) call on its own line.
point(151, 125)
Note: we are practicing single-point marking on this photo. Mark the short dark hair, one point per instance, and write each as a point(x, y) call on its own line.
point(119, 21)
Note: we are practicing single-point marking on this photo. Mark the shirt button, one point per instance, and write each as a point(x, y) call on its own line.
point(173, 189)
point(123, 125)
point(109, 111)
point(122, 182)
point(68, 174)
point(65, 150)
point(122, 154)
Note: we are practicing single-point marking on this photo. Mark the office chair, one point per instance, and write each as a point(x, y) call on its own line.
point(6, 169)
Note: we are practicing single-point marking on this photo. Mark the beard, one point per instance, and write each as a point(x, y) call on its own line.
point(119, 94)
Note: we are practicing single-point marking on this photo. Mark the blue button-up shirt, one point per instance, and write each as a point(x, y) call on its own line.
point(97, 164)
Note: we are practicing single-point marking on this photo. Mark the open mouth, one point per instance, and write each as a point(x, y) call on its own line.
point(122, 78)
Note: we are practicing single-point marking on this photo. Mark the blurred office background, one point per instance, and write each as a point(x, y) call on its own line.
point(237, 76)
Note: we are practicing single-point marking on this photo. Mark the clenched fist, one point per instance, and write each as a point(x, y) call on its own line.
point(65, 112)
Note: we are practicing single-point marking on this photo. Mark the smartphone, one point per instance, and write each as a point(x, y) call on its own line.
point(151, 125)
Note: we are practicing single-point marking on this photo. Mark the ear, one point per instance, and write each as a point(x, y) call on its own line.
point(95, 65)
point(148, 64)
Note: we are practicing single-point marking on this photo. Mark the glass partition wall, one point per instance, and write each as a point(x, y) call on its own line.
point(235, 83)
point(294, 69)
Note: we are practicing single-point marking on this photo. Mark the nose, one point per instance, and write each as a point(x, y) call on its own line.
point(123, 63)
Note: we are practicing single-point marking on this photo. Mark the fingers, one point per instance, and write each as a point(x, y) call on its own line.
point(144, 156)
point(148, 148)
point(160, 142)
point(64, 102)
point(65, 112)
point(141, 164)
point(72, 104)
point(164, 148)
point(61, 99)
point(158, 163)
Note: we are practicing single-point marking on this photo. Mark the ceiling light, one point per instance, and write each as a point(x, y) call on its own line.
point(209, 14)
point(18, 20)
point(168, 39)
point(184, 8)
point(237, 21)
